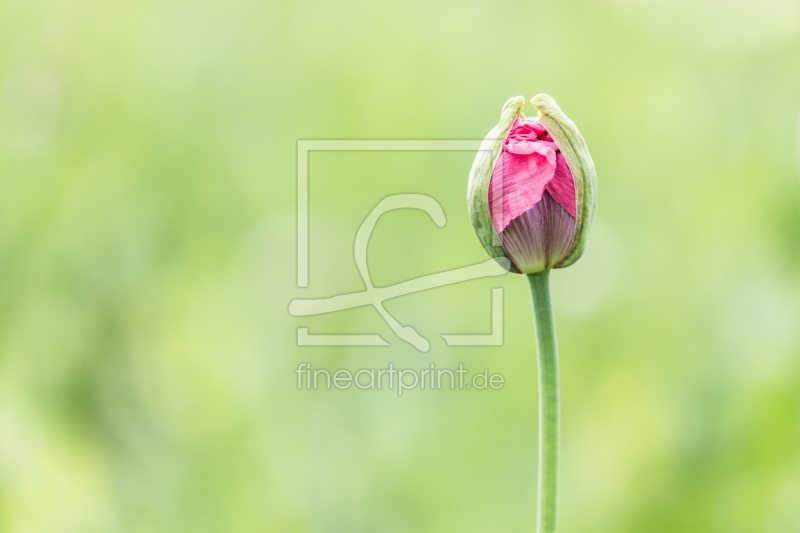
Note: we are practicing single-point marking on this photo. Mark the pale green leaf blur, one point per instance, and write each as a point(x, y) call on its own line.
point(148, 258)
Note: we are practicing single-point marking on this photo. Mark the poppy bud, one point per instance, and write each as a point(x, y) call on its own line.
point(532, 188)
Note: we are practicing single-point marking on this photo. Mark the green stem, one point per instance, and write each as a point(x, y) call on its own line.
point(549, 431)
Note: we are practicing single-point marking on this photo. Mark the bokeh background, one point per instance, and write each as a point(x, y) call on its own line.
point(147, 260)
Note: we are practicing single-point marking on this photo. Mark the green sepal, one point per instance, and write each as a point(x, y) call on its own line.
point(573, 148)
point(481, 175)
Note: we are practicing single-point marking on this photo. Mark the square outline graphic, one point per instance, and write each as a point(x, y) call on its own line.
point(304, 147)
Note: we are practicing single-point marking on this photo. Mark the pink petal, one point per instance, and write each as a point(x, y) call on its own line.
point(526, 128)
point(530, 163)
point(550, 144)
point(527, 147)
point(562, 186)
point(539, 128)
point(519, 180)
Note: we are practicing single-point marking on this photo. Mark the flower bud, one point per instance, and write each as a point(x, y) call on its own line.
point(532, 188)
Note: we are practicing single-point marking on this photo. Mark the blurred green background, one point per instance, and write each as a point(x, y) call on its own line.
point(147, 260)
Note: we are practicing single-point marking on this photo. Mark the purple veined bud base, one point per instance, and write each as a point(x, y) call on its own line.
point(541, 237)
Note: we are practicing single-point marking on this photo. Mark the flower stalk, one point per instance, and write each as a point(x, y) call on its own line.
point(531, 195)
point(549, 411)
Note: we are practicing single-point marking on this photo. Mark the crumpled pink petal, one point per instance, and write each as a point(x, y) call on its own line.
point(529, 164)
point(562, 186)
point(518, 182)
